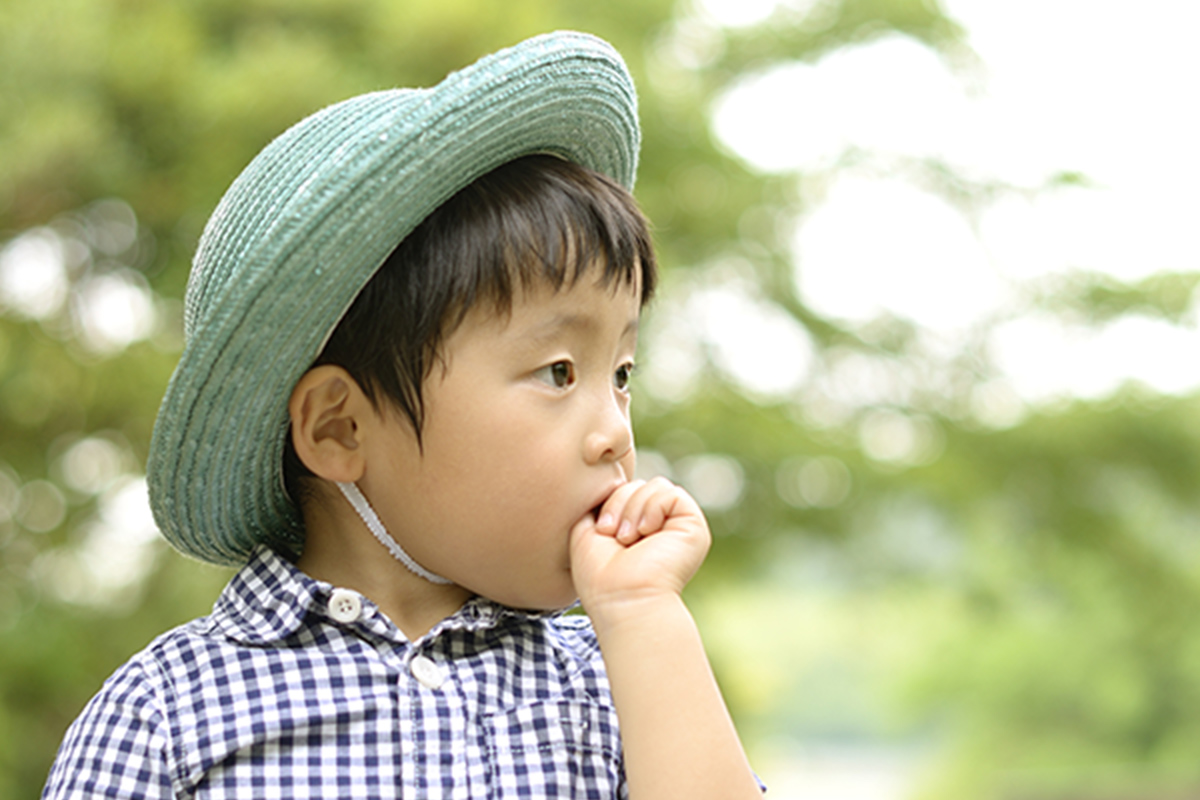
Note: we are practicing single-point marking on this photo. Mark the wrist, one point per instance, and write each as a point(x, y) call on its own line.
point(635, 612)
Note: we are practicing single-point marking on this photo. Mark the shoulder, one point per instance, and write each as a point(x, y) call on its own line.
point(146, 674)
point(120, 742)
point(145, 684)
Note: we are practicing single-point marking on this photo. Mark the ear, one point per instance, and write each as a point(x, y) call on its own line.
point(327, 410)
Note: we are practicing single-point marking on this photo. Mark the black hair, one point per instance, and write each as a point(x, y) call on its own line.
point(537, 220)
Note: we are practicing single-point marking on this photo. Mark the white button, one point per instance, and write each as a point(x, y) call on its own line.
point(427, 672)
point(345, 605)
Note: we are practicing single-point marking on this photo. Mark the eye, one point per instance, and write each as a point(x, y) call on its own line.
point(622, 375)
point(560, 374)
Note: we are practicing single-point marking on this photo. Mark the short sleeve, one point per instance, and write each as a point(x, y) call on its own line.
point(117, 747)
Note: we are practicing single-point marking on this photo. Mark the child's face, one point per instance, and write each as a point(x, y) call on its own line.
point(526, 431)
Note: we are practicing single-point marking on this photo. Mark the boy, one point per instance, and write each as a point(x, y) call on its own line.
point(403, 406)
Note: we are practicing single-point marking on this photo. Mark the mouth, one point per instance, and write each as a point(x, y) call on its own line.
point(594, 511)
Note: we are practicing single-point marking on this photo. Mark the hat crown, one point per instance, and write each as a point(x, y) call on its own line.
point(256, 218)
point(248, 226)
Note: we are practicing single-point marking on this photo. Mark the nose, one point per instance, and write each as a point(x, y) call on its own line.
point(610, 435)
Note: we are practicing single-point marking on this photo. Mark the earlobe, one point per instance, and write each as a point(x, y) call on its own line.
point(324, 410)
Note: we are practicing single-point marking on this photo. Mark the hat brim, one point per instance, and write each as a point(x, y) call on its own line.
point(302, 230)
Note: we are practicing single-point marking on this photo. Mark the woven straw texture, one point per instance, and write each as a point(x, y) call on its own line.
point(305, 226)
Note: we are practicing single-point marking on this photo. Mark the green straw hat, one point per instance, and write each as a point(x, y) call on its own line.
point(302, 230)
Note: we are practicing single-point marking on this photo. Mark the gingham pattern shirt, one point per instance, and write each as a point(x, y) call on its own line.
point(294, 689)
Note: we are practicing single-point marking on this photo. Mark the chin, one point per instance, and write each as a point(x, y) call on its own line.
point(540, 603)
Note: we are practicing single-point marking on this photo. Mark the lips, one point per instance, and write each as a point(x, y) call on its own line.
point(594, 511)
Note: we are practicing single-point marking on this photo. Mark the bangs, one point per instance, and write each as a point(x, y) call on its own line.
point(537, 221)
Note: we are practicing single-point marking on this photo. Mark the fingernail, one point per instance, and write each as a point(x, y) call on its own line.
point(605, 521)
point(625, 529)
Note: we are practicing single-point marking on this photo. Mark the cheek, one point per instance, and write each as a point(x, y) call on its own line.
point(490, 461)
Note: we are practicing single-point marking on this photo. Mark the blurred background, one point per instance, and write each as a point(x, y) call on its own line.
point(926, 350)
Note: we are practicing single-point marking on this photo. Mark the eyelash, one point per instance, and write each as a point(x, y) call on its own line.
point(561, 374)
point(623, 375)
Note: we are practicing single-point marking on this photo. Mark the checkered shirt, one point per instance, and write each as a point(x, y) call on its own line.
point(294, 689)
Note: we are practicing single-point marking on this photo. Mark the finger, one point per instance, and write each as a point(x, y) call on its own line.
point(673, 502)
point(657, 509)
point(611, 511)
point(654, 496)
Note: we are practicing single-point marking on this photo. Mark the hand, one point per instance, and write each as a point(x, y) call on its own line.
point(647, 543)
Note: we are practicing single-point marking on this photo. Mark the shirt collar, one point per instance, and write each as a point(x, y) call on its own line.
point(269, 599)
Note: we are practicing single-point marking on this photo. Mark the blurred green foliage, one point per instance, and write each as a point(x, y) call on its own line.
point(1024, 590)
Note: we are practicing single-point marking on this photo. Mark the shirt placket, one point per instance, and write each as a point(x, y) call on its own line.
point(434, 726)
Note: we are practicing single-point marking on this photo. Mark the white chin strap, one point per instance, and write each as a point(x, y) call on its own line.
point(375, 525)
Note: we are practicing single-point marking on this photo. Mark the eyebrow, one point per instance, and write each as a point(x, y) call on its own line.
point(581, 322)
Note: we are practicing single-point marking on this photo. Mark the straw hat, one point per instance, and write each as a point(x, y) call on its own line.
point(305, 226)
